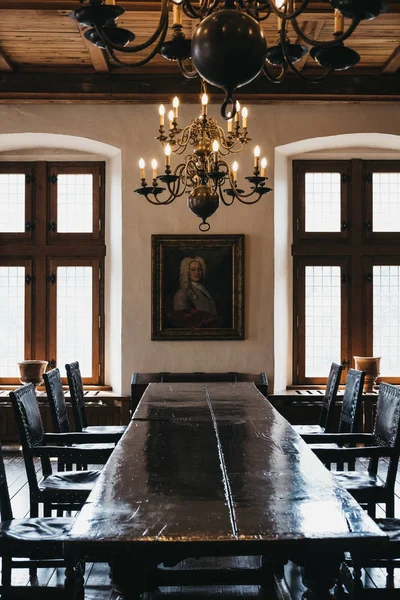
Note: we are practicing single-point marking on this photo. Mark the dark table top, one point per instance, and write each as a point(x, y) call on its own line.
point(203, 463)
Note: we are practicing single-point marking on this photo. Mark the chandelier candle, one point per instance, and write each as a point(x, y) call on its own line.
point(203, 173)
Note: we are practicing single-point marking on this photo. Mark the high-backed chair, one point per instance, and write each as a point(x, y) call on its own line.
point(140, 381)
point(59, 413)
point(326, 417)
point(40, 540)
point(78, 404)
point(65, 490)
point(350, 414)
point(367, 486)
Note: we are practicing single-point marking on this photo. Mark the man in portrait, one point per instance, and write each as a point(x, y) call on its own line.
point(193, 304)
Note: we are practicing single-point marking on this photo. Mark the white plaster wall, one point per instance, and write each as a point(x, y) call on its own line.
point(130, 129)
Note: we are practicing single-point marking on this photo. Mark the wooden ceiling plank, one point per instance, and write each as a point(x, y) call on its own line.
point(392, 65)
point(311, 30)
point(97, 55)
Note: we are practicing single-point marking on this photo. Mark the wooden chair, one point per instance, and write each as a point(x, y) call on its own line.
point(386, 555)
point(39, 541)
point(78, 405)
point(66, 490)
point(328, 403)
point(140, 381)
point(367, 486)
point(350, 415)
point(59, 414)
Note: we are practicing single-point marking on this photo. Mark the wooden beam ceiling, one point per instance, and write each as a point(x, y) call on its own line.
point(101, 87)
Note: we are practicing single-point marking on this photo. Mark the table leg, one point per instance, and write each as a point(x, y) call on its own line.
point(319, 574)
point(132, 575)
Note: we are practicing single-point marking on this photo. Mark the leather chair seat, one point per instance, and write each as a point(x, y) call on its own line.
point(113, 429)
point(392, 529)
point(69, 481)
point(355, 481)
point(36, 530)
point(308, 429)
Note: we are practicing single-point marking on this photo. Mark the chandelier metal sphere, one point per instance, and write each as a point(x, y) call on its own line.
point(229, 48)
point(204, 174)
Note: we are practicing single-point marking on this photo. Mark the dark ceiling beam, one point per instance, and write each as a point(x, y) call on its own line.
point(392, 65)
point(144, 88)
point(314, 6)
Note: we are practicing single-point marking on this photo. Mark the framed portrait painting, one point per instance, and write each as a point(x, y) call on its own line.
point(197, 287)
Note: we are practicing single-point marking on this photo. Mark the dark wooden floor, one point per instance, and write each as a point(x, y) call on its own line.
point(97, 586)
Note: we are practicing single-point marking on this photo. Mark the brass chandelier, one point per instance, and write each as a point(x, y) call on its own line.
point(228, 48)
point(204, 174)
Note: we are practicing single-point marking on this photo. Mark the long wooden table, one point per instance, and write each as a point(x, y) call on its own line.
point(215, 470)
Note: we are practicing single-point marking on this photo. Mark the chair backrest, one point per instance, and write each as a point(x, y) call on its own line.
point(31, 432)
point(387, 429)
point(56, 400)
point(328, 403)
point(349, 421)
point(5, 504)
point(77, 396)
point(140, 381)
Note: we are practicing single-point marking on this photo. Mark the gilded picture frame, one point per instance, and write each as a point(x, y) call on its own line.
point(197, 287)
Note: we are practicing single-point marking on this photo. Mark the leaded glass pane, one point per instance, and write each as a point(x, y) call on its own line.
point(322, 319)
point(322, 202)
point(75, 203)
point(386, 201)
point(386, 319)
point(12, 203)
point(74, 317)
point(12, 320)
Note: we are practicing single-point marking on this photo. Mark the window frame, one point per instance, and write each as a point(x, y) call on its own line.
point(300, 168)
point(359, 247)
point(299, 315)
point(40, 246)
point(27, 169)
point(27, 263)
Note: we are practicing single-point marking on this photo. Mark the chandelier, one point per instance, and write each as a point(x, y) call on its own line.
point(204, 174)
point(228, 48)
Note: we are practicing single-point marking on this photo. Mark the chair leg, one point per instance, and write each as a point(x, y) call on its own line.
point(34, 510)
point(46, 509)
point(372, 509)
point(74, 582)
point(6, 571)
point(390, 508)
point(60, 512)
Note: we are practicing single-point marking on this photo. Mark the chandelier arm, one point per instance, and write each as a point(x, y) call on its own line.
point(222, 198)
point(285, 15)
point(241, 197)
point(335, 42)
point(157, 202)
point(279, 77)
point(203, 10)
point(264, 7)
point(138, 63)
point(294, 69)
point(162, 29)
point(188, 74)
